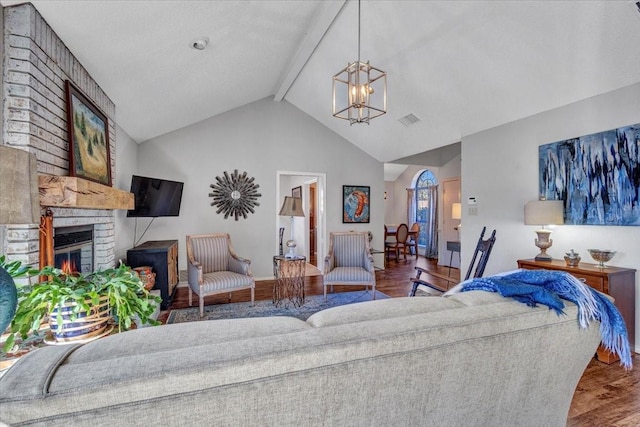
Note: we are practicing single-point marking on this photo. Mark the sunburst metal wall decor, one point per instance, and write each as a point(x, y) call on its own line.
point(235, 195)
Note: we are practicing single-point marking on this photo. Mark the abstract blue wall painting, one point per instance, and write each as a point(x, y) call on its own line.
point(597, 176)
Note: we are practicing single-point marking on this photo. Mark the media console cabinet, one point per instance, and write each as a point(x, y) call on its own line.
point(162, 255)
point(618, 282)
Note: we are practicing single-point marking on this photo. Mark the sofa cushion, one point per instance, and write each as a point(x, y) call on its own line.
point(379, 309)
point(348, 274)
point(220, 280)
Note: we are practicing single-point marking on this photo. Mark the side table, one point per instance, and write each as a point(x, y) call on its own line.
point(373, 251)
point(289, 280)
point(453, 246)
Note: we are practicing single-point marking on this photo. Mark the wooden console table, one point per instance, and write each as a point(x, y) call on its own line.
point(289, 284)
point(620, 283)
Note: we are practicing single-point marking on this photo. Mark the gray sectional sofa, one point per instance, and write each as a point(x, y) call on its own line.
point(469, 359)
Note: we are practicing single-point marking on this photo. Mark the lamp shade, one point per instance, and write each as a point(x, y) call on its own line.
point(292, 206)
point(19, 194)
point(544, 212)
point(456, 211)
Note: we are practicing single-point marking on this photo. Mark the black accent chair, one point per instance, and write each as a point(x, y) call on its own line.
point(483, 248)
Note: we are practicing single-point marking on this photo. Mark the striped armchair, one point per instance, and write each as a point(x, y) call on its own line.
point(213, 267)
point(349, 261)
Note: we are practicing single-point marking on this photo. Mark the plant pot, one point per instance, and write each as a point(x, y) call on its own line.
point(81, 326)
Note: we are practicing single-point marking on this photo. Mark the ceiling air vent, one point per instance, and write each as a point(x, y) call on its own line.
point(409, 119)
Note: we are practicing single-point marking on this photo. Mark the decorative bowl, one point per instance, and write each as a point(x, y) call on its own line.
point(601, 256)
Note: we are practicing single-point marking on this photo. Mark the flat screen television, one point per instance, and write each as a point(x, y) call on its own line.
point(155, 197)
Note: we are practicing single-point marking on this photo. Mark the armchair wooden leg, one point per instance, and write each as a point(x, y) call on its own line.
point(201, 306)
point(253, 296)
point(190, 296)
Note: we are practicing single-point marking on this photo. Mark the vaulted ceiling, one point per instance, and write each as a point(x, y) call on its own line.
point(459, 66)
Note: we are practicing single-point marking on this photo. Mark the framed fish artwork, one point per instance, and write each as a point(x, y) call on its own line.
point(355, 203)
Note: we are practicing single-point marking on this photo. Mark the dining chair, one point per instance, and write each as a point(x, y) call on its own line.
point(400, 242)
point(412, 242)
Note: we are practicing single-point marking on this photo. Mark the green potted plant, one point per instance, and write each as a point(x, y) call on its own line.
point(80, 305)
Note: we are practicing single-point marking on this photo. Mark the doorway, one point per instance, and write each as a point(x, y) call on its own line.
point(312, 256)
point(285, 182)
point(450, 226)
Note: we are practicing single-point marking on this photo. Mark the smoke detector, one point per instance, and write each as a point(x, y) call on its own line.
point(200, 44)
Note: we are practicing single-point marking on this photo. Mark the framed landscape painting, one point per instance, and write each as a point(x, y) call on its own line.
point(89, 155)
point(355, 202)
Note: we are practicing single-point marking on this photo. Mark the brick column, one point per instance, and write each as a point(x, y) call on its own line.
point(36, 65)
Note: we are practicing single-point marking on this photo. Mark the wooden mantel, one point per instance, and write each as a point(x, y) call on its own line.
point(74, 192)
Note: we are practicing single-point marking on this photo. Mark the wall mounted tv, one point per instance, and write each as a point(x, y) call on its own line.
point(155, 197)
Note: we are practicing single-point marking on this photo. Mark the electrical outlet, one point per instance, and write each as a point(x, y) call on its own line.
point(473, 211)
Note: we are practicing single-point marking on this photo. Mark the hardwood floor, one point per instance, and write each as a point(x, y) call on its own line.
point(606, 395)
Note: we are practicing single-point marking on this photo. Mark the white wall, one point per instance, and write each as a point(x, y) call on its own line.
point(500, 169)
point(126, 154)
point(389, 202)
point(396, 203)
point(453, 169)
point(259, 138)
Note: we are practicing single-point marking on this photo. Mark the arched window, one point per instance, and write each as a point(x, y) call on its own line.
point(426, 195)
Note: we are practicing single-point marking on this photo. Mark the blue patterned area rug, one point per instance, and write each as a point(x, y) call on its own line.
point(312, 304)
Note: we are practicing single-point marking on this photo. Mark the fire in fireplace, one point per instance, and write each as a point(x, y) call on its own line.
point(73, 248)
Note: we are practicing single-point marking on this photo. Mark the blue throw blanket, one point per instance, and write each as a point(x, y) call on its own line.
point(547, 287)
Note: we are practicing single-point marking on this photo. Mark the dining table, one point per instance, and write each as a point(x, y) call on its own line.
point(392, 229)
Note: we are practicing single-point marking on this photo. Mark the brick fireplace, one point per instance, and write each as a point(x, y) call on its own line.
point(37, 64)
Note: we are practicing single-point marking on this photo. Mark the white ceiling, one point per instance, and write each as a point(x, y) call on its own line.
point(459, 66)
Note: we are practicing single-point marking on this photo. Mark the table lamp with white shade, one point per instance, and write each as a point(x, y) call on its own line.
point(456, 213)
point(544, 213)
point(292, 207)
